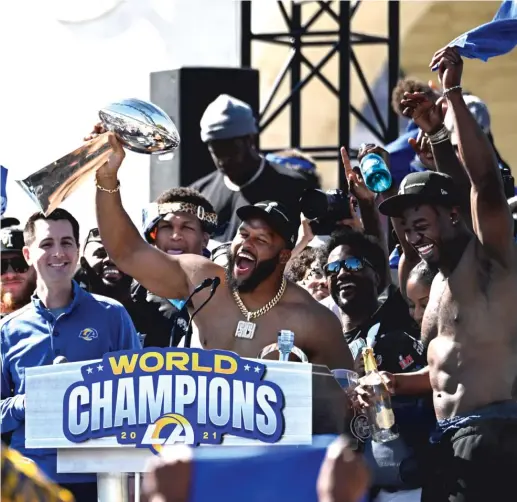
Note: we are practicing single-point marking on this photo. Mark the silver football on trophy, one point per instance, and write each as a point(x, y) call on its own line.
point(141, 126)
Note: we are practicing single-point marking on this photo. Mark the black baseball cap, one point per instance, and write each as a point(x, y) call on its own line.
point(276, 215)
point(9, 221)
point(426, 187)
point(93, 236)
point(11, 240)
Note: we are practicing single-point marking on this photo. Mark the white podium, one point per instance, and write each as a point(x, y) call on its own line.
point(314, 404)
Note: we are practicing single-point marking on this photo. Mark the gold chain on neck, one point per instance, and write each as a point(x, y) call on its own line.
point(261, 311)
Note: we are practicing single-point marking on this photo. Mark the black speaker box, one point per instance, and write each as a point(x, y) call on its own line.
point(184, 95)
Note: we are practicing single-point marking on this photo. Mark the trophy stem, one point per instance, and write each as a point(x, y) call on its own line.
point(50, 186)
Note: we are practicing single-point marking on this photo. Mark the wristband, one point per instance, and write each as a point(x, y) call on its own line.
point(455, 88)
point(439, 137)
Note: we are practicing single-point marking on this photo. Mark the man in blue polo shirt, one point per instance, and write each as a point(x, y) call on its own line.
point(61, 320)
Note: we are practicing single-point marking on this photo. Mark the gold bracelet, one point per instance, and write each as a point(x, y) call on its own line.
point(108, 190)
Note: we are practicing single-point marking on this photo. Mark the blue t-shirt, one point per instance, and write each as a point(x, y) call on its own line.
point(89, 327)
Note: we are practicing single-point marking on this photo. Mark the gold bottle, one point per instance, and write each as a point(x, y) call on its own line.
point(380, 412)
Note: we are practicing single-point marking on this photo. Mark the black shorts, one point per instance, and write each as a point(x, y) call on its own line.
point(475, 463)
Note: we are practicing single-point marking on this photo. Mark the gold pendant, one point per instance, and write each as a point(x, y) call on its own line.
point(245, 329)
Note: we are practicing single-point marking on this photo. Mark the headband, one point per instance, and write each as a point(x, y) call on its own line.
point(188, 207)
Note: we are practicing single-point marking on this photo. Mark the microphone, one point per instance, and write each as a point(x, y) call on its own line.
point(215, 284)
point(205, 284)
point(60, 360)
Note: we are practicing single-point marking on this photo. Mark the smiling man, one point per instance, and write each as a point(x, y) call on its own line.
point(62, 320)
point(356, 270)
point(99, 274)
point(255, 301)
point(470, 320)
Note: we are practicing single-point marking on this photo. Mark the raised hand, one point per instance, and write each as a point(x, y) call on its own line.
point(422, 147)
point(371, 148)
point(305, 234)
point(110, 168)
point(97, 130)
point(450, 67)
point(426, 114)
point(356, 184)
point(354, 222)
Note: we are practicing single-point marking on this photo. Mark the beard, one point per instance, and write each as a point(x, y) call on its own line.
point(10, 302)
point(261, 272)
point(361, 301)
point(117, 288)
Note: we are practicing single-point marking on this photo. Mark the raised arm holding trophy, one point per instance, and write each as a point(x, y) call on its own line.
point(254, 303)
point(142, 127)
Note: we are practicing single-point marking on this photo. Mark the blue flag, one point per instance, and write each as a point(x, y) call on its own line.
point(495, 38)
point(3, 189)
point(259, 473)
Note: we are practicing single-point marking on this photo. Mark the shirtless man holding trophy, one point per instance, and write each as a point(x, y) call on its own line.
point(254, 301)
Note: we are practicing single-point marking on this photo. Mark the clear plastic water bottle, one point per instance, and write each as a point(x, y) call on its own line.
point(376, 174)
point(285, 344)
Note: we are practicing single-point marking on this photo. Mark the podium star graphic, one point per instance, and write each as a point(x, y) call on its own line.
point(247, 367)
point(89, 371)
point(257, 369)
point(100, 367)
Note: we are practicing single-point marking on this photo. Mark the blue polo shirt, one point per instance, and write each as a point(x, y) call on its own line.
point(34, 336)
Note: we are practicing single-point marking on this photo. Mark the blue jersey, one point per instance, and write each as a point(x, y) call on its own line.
point(32, 336)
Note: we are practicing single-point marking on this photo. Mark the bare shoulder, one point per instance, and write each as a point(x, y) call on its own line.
point(321, 335)
point(478, 258)
point(197, 268)
point(311, 312)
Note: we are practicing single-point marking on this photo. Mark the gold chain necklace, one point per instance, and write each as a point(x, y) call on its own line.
point(246, 329)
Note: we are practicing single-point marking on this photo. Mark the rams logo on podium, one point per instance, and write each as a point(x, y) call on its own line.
point(157, 397)
point(168, 429)
point(88, 334)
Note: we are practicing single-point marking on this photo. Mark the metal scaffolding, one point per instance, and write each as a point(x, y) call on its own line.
point(340, 41)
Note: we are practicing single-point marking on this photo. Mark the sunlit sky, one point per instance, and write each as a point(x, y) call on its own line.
point(62, 60)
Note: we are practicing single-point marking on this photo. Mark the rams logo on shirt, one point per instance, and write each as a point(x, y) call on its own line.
point(88, 334)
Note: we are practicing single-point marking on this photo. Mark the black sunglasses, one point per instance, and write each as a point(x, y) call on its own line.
point(18, 264)
point(350, 264)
